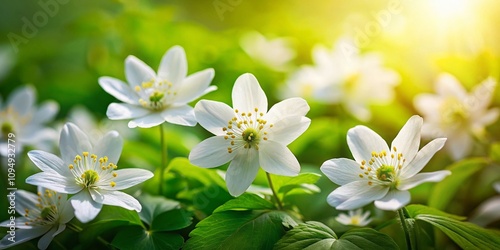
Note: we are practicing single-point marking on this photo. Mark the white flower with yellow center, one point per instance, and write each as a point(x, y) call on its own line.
point(43, 214)
point(355, 218)
point(151, 99)
point(88, 171)
point(275, 53)
point(21, 117)
point(249, 135)
point(456, 114)
point(380, 173)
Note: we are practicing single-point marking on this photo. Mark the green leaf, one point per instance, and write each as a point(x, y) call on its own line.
point(172, 220)
point(137, 238)
point(246, 201)
point(445, 190)
point(152, 206)
point(465, 234)
point(195, 176)
point(495, 152)
point(239, 230)
point(314, 235)
point(284, 184)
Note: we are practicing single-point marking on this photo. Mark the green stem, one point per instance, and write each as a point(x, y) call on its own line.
point(163, 158)
point(406, 228)
point(278, 201)
point(78, 230)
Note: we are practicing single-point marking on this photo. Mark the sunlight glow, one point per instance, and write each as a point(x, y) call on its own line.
point(450, 9)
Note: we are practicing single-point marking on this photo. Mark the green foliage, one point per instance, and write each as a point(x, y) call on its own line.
point(137, 238)
point(303, 183)
point(315, 235)
point(245, 201)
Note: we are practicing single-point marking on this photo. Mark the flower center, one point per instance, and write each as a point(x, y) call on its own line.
point(90, 172)
point(385, 173)
point(382, 168)
point(156, 95)
point(46, 211)
point(454, 113)
point(246, 130)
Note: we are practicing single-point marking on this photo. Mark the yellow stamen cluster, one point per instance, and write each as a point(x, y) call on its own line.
point(155, 94)
point(88, 170)
point(47, 211)
point(382, 167)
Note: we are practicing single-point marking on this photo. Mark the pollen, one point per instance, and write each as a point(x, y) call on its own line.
point(112, 184)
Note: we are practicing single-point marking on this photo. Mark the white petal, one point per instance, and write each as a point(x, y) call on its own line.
point(407, 141)
point(341, 171)
point(45, 240)
point(173, 66)
point(426, 104)
point(48, 162)
point(59, 229)
point(355, 195)
point(181, 115)
point(211, 152)
point(288, 129)
point(418, 179)
point(448, 85)
point(54, 181)
point(23, 235)
point(290, 107)
point(86, 209)
point(148, 121)
point(277, 159)
point(393, 200)
point(119, 89)
point(213, 116)
point(137, 71)
point(359, 110)
point(487, 212)
point(422, 158)
point(242, 171)
point(481, 95)
point(120, 199)
point(459, 145)
point(120, 111)
point(73, 142)
point(22, 99)
point(25, 200)
point(362, 141)
point(248, 95)
point(45, 112)
point(110, 145)
point(194, 86)
point(66, 213)
point(496, 186)
point(129, 177)
point(487, 118)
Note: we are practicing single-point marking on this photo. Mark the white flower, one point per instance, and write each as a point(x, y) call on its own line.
point(380, 173)
point(21, 117)
point(355, 218)
point(44, 214)
point(249, 136)
point(343, 76)
point(274, 53)
point(151, 99)
point(488, 211)
point(456, 114)
point(87, 171)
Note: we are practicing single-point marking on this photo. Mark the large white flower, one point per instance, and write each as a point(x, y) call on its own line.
point(456, 114)
point(344, 76)
point(274, 53)
point(355, 218)
point(25, 120)
point(43, 214)
point(381, 173)
point(151, 99)
point(249, 135)
point(489, 210)
point(88, 171)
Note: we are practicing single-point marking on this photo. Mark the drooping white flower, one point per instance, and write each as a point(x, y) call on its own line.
point(249, 135)
point(88, 171)
point(43, 214)
point(274, 53)
point(488, 211)
point(381, 173)
point(151, 99)
point(355, 218)
point(344, 76)
point(456, 114)
point(26, 121)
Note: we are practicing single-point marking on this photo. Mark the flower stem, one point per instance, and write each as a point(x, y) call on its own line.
point(406, 228)
point(280, 206)
point(163, 158)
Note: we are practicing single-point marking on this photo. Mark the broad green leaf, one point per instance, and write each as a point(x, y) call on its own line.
point(137, 238)
point(239, 230)
point(172, 220)
point(445, 190)
point(465, 234)
point(246, 201)
point(152, 206)
point(304, 178)
point(415, 210)
point(195, 176)
point(314, 235)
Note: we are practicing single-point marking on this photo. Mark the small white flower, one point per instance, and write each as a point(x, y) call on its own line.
point(380, 173)
point(249, 135)
point(151, 99)
point(274, 53)
point(488, 211)
point(344, 76)
point(355, 218)
point(44, 214)
point(88, 171)
point(456, 114)
point(21, 117)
